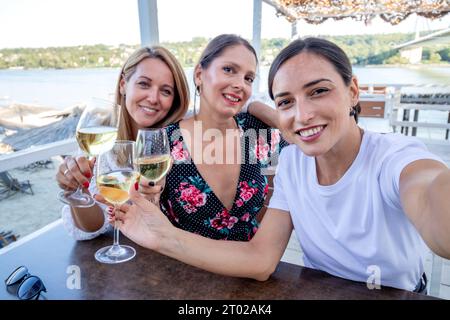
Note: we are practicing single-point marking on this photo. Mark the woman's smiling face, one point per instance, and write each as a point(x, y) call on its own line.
point(150, 92)
point(226, 84)
point(313, 103)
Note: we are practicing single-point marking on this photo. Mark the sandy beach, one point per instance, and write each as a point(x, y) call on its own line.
point(25, 213)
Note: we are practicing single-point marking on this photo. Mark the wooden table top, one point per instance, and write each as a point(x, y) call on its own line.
point(54, 256)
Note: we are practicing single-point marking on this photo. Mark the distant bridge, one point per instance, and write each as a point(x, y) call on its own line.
point(412, 50)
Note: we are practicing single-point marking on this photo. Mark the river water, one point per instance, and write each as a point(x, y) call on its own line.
point(68, 87)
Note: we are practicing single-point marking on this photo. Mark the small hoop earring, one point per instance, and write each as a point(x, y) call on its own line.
point(355, 110)
point(198, 92)
point(352, 111)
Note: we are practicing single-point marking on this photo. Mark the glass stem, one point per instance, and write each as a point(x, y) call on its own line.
point(116, 234)
point(78, 192)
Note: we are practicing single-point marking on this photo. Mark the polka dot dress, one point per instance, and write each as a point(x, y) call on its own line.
point(189, 202)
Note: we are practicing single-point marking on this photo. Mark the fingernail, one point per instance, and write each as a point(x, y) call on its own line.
point(151, 184)
point(88, 175)
point(110, 209)
point(86, 184)
point(136, 186)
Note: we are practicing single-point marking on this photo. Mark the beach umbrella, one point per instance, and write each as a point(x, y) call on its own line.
point(56, 131)
point(19, 109)
point(12, 117)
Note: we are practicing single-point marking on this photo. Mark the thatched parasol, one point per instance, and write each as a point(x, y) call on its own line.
point(56, 131)
point(392, 11)
point(16, 109)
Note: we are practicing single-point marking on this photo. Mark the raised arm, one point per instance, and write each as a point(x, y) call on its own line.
point(425, 197)
point(263, 112)
point(145, 224)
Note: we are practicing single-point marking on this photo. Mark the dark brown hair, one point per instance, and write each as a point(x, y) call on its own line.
point(321, 47)
point(217, 45)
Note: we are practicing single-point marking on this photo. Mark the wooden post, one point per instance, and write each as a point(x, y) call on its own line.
point(405, 118)
point(416, 118)
point(447, 131)
point(257, 9)
point(148, 22)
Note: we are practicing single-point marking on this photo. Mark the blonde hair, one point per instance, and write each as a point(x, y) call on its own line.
point(181, 99)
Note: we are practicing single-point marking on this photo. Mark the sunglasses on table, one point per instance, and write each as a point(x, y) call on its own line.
point(29, 286)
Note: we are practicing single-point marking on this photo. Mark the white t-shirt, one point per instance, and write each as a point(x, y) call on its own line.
point(356, 228)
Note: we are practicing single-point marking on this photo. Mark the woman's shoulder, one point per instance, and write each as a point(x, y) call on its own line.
point(173, 125)
point(291, 154)
point(172, 128)
point(391, 142)
point(247, 121)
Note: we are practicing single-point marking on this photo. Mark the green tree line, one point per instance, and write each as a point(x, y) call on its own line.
point(362, 50)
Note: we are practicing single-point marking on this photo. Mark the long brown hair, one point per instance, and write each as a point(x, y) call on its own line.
point(180, 102)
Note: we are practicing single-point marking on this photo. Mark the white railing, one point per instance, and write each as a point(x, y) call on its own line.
point(37, 153)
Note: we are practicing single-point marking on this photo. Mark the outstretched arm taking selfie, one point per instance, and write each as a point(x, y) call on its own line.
point(146, 225)
point(425, 196)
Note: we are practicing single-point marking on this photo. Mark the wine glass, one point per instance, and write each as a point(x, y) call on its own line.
point(116, 173)
point(96, 132)
point(153, 153)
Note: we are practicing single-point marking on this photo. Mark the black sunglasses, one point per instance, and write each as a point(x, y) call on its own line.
point(29, 286)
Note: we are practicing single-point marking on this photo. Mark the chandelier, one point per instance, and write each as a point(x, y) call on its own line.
point(392, 11)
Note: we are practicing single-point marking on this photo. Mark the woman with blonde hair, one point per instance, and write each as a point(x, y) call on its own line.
point(153, 92)
point(180, 94)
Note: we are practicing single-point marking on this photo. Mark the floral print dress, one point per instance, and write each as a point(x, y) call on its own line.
point(189, 202)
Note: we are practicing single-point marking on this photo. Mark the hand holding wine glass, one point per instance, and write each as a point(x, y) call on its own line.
point(153, 156)
point(96, 132)
point(116, 173)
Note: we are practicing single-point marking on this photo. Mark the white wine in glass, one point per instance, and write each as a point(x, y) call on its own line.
point(153, 154)
point(96, 133)
point(114, 186)
point(116, 174)
point(95, 140)
point(154, 168)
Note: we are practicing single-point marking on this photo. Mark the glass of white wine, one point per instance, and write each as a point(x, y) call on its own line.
point(153, 153)
point(116, 173)
point(96, 133)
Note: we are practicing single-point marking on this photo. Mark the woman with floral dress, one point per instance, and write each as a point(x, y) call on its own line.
point(204, 193)
point(191, 204)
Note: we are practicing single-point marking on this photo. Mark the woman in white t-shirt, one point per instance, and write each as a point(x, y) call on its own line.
point(362, 203)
